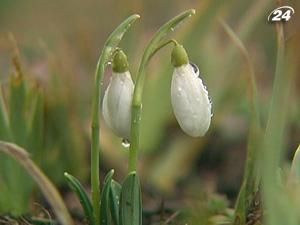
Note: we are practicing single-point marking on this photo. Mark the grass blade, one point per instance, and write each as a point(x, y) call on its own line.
point(252, 176)
point(276, 201)
point(82, 196)
point(35, 136)
point(48, 189)
point(4, 126)
point(294, 176)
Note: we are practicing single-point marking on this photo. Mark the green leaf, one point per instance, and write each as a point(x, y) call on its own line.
point(35, 137)
point(18, 127)
point(251, 180)
point(17, 110)
point(4, 127)
point(46, 186)
point(4, 175)
point(115, 191)
point(294, 176)
point(131, 201)
point(82, 196)
point(105, 206)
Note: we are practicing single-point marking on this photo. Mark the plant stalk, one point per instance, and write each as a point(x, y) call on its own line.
point(153, 46)
point(109, 48)
point(95, 147)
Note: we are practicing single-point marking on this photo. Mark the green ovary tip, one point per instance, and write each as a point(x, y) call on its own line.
point(120, 63)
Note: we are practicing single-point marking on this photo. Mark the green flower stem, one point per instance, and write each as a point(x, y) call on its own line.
point(107, 52)
point(152, 48)
point(95, 147)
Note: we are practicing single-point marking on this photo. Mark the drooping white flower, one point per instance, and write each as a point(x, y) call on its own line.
point(118, 97)
point(189, 97)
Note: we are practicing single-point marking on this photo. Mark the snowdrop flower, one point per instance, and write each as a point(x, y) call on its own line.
point(189, 97)
point(118, 96)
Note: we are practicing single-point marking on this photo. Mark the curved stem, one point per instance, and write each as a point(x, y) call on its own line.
point(150, 50)
point(171, 41)
point(109, 48)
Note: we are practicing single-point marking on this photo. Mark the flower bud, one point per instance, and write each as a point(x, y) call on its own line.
point(118, 97)
point(189, 97)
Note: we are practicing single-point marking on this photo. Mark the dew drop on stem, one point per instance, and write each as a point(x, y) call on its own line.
point(125, 143)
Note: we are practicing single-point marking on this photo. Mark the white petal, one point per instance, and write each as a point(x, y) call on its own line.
point(190, 101)
point(117, 104)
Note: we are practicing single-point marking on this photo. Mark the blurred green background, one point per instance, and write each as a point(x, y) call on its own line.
point(59, 44)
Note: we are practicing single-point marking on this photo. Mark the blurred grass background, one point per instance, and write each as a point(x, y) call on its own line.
point(59, 44)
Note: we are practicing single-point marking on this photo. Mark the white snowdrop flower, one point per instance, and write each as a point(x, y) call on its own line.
point(189, 97)
point(118, 96)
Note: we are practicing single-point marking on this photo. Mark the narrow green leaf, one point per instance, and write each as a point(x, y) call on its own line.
point(46, 186)
point(35, 137)
point(115, 191)
point(294, 177)
point(17, 122)
point(277, 203)
point(17, 110)
point(252, 174)
point(4, 175)
point(105, 206)
point(131, 201)
point(4, 126)
point(82, 196)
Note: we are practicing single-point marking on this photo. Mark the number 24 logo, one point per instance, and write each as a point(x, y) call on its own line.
point(283, 13)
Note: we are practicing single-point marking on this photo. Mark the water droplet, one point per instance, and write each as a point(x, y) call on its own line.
point(195, 68)
point(125, 143)
point(210, 100)
point(179, 89)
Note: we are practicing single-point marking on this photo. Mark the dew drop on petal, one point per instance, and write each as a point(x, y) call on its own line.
point(125, 143)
